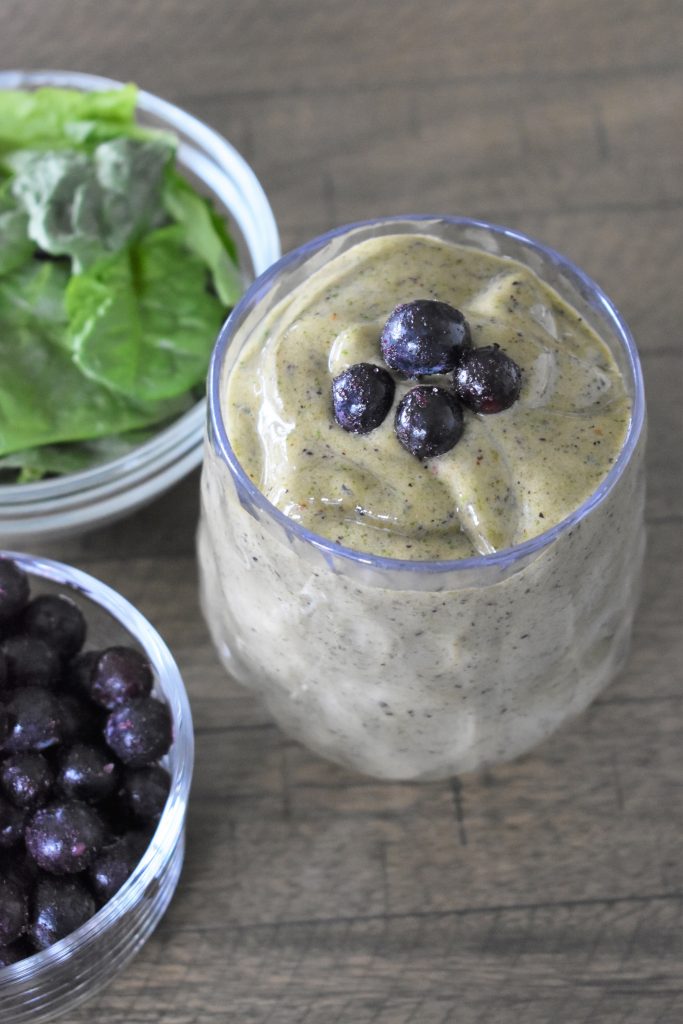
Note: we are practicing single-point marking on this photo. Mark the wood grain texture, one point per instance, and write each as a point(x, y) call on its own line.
point(546, 890)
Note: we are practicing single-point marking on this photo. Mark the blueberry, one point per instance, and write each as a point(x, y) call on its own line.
point(58, 621)
point(487, 380)
point(60, 905)
point(30, 661)
point(361, 397)
point(120, 674)
point(113, 865)
point(87, 772)
point(26, 780)
point(79, 671)
point(12, 821)
point(14, 589)
point(80, 719)
point(145, 791)
point(6, 726)
point(13, 911)
point(424, 336)
point(429, 421)
point(4, 681)
point(35, 720)
point(139, 732)
point(64, 837)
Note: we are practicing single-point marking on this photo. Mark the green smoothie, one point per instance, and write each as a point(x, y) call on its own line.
point(510, 477)
point(423, 665)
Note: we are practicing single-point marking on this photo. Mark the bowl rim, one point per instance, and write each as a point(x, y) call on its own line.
point(169, 830)
point(184, 433)
point(506, 557)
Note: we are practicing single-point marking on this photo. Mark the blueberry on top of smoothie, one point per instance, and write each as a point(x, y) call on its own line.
point(429, 421)
point(424, 337)
point(487, 380)
point(361, 397)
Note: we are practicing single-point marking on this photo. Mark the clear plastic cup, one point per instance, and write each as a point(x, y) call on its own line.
point(410, 669)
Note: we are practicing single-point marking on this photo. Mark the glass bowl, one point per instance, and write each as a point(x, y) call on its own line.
point(57, 979)
point(79, 501)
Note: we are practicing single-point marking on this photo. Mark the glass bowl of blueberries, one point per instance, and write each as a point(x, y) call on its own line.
point(96, 754)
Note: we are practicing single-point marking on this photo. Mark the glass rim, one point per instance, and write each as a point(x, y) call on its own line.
point(184, 432)
point(502, 559)
point(169, 828)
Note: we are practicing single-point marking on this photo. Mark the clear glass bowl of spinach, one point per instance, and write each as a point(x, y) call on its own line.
point(115, 274)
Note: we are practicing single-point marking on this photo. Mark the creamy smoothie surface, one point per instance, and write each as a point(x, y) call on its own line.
point(511, 476)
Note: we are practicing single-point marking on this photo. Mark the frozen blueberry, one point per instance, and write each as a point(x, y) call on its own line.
point(60, 905)
point(4, 682)
point(139, 732)
point(78, 673)
point(35, 721)
point(361, 397)
point(64, 837)
point(81, 720)
point(6, 724)
point(87, 772)
point(424, 336)
point(58, 621)
point(113, 865)
point(487, 380)
point(26, 780)
point(145, 791)
point(120, 674)
point(30, 661)
point(14, 589)
point(13, 911)
point(429, 421)
point(12, 821)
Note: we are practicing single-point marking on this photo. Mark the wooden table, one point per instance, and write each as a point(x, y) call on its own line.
point(545, 891)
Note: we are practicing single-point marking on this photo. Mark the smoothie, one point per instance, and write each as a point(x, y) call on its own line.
point(414, 617)
point(510, 477)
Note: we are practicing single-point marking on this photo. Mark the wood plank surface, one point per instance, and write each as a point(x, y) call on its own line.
point(549, 890)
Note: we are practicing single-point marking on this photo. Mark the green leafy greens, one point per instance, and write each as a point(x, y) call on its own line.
point(114, 278)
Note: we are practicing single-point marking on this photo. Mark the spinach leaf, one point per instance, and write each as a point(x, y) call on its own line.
point(52, 118)
point(44, 398)
point(87, 204)
point(205, 234)
point(15, 245)
point(53, 459)
point(143, 322)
